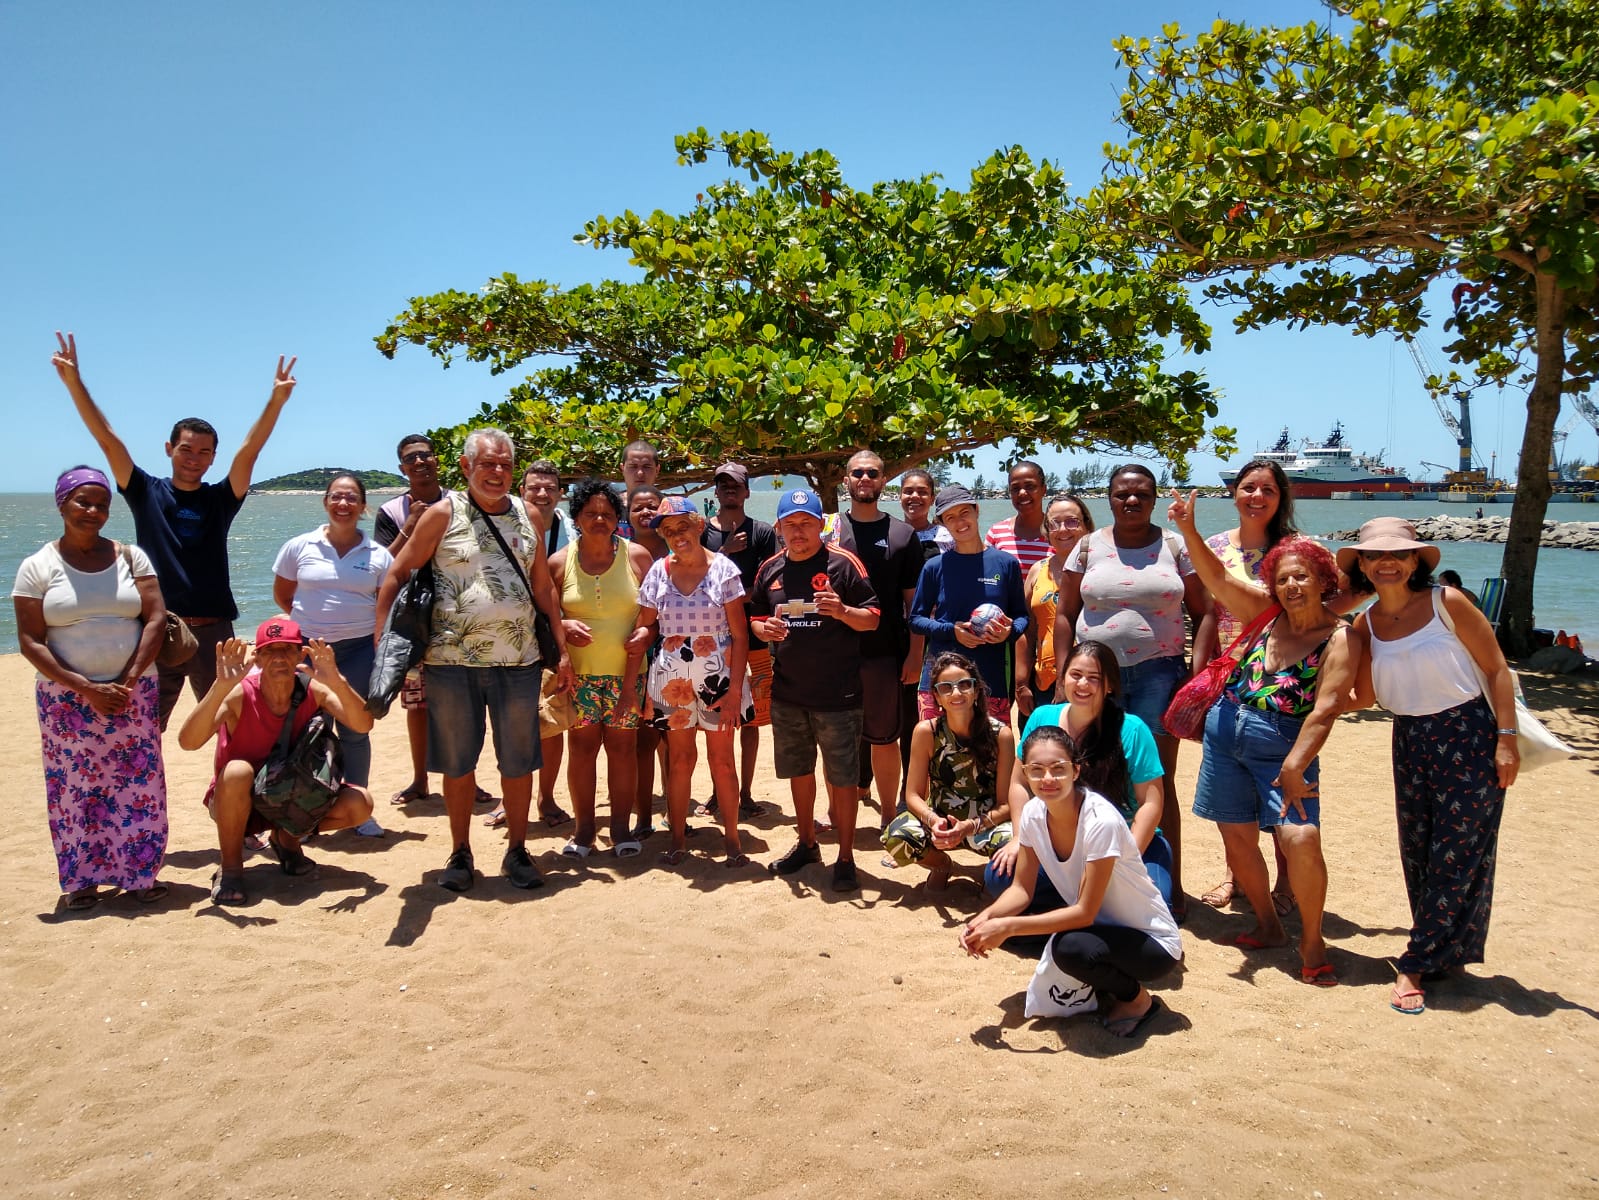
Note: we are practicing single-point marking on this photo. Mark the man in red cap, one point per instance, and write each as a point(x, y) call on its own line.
point(246, 711)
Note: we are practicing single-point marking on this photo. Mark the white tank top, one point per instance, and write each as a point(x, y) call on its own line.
point(1425, 673)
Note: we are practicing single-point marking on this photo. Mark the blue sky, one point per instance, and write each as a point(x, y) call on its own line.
point(197, 188)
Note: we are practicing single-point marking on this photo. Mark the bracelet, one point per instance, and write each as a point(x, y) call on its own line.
point(1507, 733)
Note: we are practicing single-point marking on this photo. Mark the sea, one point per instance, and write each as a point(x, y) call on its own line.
point(1566, 593)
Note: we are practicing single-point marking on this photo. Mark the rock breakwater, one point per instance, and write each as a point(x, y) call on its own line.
point(1560, 535)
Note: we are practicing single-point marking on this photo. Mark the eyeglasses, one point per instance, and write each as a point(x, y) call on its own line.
point(1065, 523)
point(1372, 556)
point(418, 456)
point(494, 464)
point(948, 687)
point(1038, 772)
point(344, 498)
point(865, 473)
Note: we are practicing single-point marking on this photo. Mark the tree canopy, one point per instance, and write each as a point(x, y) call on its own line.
point(789, 319)
point(1318, 178)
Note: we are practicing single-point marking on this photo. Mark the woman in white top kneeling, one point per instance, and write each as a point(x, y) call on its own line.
point(1115, 932)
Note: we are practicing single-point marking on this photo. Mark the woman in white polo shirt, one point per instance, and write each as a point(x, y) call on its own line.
point(327, 581)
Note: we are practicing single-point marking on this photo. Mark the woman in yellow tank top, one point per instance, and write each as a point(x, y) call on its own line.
point(597, 577)
point(1066, 519)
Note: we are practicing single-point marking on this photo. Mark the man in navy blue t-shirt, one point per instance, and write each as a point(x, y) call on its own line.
point(182, 522)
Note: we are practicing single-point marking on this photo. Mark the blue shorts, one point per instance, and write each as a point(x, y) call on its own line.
point(1244, 750)
point(1147, 689)
point(457, 699)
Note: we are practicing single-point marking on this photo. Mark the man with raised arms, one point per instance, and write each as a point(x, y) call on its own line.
point(182, 522)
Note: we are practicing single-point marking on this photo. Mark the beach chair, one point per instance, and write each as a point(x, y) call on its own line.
point(1491, 598)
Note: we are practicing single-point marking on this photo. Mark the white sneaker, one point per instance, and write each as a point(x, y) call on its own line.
point(369, 828)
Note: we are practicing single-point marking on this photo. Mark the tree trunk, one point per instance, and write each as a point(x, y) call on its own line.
point(1520, 562)
point(827, 477)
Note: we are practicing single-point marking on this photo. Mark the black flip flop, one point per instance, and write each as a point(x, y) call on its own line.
point(1156, 1007)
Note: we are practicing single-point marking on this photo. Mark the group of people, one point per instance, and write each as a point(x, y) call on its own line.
point(571, 620)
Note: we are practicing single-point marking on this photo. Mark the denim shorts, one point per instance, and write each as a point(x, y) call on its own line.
point(796, 734)
point(458, 697)
point(1147, 688)
point(1244, 750)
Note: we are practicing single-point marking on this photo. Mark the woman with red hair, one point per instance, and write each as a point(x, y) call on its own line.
point(1263, 735)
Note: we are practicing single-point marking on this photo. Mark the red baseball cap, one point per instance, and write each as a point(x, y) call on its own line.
point(278, 631)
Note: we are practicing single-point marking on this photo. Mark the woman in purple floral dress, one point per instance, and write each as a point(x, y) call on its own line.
point(90, 620)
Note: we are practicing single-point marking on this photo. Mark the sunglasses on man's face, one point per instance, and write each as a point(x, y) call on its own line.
point(865, 473)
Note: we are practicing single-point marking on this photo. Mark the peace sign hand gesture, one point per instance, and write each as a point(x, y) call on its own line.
point(1180, 512)
point(283, 382)
point(65, 359)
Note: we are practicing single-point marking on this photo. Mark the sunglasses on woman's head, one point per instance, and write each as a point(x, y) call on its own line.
point(946, 687)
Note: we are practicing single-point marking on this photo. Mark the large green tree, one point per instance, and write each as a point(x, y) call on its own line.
point(788, 319)
point(1324, 178)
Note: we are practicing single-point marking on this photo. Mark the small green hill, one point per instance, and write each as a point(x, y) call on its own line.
point(316, 480)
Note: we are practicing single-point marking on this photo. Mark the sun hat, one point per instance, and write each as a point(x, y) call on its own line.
point(949, 498)
point(799, 501)
point(1388, 533)
point(734, 471)
point(674, 506)
point(278, 631)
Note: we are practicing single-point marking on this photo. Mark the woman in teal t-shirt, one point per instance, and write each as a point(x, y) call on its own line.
point(1121, 761)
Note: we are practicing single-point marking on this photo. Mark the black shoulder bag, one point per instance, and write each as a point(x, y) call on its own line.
point(549, 651)
point(299, 781)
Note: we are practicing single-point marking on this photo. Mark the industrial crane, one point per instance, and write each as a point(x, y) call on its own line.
point(1459, 429)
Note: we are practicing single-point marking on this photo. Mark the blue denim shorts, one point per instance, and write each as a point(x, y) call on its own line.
point(458, 698)
point(1244, 750)
point(1147, 689)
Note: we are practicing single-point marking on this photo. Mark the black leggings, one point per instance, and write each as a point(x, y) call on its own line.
point(1111, 958)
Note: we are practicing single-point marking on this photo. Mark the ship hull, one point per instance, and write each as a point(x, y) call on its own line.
point(1374, 487)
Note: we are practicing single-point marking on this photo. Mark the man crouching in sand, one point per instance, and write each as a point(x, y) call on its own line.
point(245, 712)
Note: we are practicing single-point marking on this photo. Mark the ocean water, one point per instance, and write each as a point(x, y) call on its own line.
point(1566, 594)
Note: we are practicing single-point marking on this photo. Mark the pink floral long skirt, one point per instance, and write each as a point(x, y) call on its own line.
point(105, 787)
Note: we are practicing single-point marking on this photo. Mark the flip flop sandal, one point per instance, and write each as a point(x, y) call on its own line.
point(409, 795)
point(84, 898)
point(734, 861)
point(643, 830)
point(576, 849)
point(671, 858)
point(485, 797)
point(627, 848)
point(1322, 976)
point(152, 893)
point(554, 817)
point(1395, 1002)
point(1220, 896)
point(496, 819)
point(227, 889)
point(1284, 903)
point(1126, 1027)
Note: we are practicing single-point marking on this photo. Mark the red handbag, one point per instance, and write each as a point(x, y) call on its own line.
point(1185, 715)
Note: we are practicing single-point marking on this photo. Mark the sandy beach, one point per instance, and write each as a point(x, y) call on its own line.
point(636, 1030)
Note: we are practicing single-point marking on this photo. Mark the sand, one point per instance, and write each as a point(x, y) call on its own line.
point(634, 1030)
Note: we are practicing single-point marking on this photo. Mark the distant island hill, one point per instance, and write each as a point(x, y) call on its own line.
point(317, 480)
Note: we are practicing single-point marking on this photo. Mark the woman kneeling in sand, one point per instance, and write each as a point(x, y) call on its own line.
point(957, 790)
point(1115, 932)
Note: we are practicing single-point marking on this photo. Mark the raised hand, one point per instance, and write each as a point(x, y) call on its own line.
point(65, 359)
point(1180, 512)
point(283, 383)
point(324, 665)
point(234, 659)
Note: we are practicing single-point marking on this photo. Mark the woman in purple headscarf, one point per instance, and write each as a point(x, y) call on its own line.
point(90, 620)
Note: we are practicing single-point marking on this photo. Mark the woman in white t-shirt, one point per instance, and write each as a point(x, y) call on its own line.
point(90, 620)
point(1115, 932)
point(327, 581)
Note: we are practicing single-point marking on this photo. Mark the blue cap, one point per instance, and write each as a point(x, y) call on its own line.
point(674, 506)
point(799, 501)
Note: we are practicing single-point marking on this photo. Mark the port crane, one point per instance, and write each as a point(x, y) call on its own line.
point(1459, 428)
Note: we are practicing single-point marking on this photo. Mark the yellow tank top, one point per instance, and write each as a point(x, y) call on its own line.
point(1046, 594)
point(607, 604)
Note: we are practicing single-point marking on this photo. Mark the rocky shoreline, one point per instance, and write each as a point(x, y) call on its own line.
point(1559, 535)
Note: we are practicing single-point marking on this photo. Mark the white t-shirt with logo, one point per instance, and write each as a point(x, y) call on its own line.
point(336, 595)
